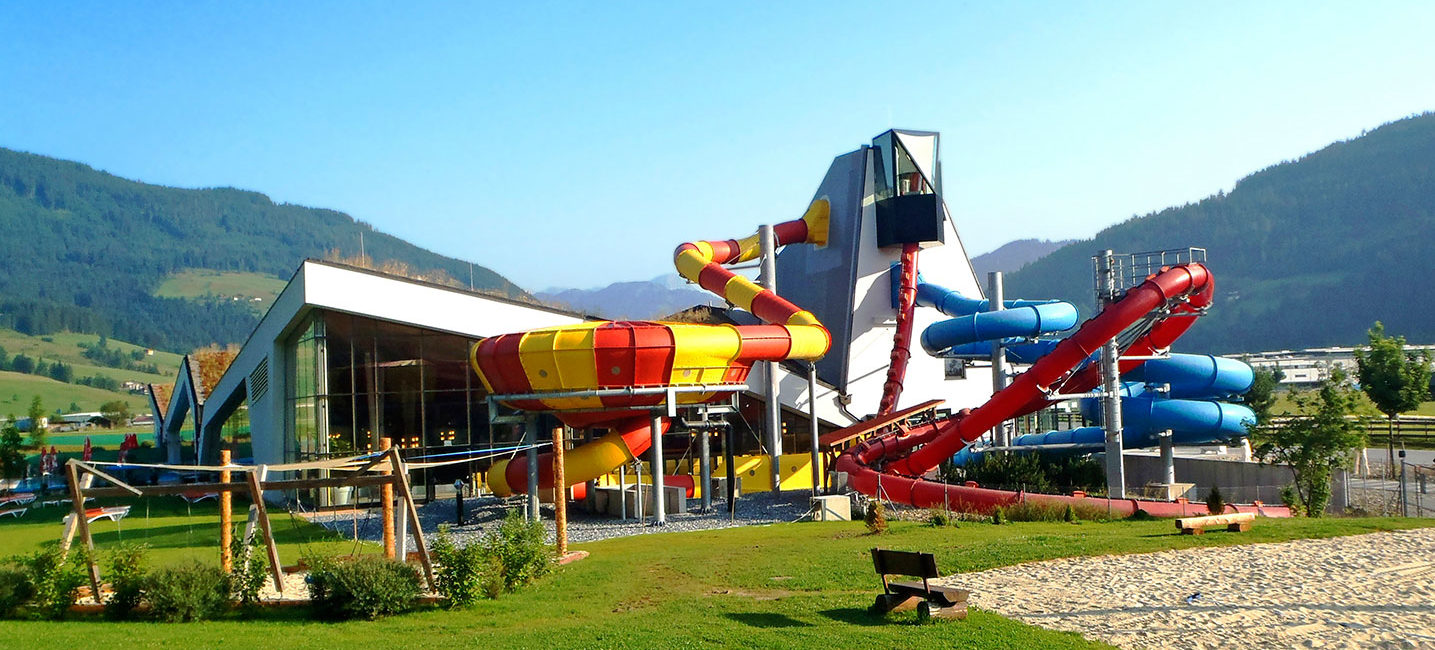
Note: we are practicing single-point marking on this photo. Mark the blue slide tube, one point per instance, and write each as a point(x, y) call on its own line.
point(1195, 376)
point(1021, 318)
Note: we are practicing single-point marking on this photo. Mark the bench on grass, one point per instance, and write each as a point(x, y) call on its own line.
point(929, 601)
point(114, 513)
point(1235, 522)
point(14, 512)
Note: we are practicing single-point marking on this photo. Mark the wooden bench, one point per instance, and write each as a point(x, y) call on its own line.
point(929, 601)
point(1235, 522)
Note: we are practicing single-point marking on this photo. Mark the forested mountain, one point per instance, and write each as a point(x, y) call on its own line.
point(85, 251)
point(655, 298)
point(1305, 253)
point(1013, 255)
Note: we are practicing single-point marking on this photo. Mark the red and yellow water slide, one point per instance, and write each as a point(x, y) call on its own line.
point(610, 374)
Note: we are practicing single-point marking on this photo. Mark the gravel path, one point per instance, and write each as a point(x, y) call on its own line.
point(1361, 591)
point(483, 513)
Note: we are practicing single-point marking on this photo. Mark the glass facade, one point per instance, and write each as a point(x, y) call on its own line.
point(354, 380)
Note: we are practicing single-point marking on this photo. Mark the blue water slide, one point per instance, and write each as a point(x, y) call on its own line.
point(972, 323)
point(1195, 376)
point(1018, 350)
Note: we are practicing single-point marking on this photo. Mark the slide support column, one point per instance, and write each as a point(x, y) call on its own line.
point(1111, 384)
point(1001, 435)
point(773, 421)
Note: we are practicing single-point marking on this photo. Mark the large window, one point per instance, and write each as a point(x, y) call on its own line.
point(356, 380)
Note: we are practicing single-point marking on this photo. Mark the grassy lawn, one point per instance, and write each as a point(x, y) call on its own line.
point(785, 585)
point(16, 391)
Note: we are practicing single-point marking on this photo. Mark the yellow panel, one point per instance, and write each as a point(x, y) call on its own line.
point(740, 291)
point(750, 247)
point(809, 342)
point(497, 482)
point(702, 353)
point(690, 263)
point(573, 357)
point(538, 352)
point(818, 218)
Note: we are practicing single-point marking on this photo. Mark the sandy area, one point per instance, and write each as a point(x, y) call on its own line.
point(1375, 590)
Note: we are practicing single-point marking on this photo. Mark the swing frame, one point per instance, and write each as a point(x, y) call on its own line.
point(393, 473)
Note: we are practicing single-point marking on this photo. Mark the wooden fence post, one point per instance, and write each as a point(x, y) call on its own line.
point(226, 515)
point(386, 499)
point(560, 494)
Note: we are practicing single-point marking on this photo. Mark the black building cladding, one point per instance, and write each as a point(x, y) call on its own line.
point(908, 202)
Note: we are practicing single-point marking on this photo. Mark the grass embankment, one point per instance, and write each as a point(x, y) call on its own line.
point(804, 585)
point(17, 389)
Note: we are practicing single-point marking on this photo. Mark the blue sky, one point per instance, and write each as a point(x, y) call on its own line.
point(575, 144)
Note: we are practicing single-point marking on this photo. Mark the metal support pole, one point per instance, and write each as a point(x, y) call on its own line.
point(1168, 457)
point(622, 492)
point(1111, 385)
point(812, 414)
point(530, 437)
point(727, 453)
point(638, 490)
point(660, 515)
point(705, 466)
point(996, 301)
point(773, 421)
point(1404, 494)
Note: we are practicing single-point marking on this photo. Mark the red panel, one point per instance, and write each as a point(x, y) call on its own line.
point(612, 348)
point(714, 278)
point(505, 370)
point(763, 343)
point(641, 352)
point(790, 232)
point(725, 251)
point(772, 308)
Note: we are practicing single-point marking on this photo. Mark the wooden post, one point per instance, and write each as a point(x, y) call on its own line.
point(256, 492)
point(386, 499)
point(401, 481)
point(83, 525)
point(226, 516)
point(560, 493)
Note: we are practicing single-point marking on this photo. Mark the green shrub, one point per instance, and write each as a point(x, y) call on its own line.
point(247, 573)
point(999, 515)
point(15, 589)
point(1215, 503)
point(192, 591)
point(522, 549)
point(939, 518)
point(368, 587)
point(493, 576)
point(55, 580)
point(462, 573)
point(1069, 514)
point(875, 517)
point(127, 580)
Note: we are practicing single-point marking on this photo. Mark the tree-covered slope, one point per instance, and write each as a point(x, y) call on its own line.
point(85, 251)
point(1305, 253)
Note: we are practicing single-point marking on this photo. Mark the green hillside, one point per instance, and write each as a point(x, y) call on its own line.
point(17, 388)
point(1305, 253)
point(88, 251)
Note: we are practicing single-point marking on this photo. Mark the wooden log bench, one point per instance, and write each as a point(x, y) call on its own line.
point(1235, 522)
point(929, 601)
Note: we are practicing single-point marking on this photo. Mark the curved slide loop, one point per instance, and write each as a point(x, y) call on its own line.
point(1180, 291)
point(973, 324)
point(587, 373)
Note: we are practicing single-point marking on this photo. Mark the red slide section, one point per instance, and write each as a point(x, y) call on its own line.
point(892, 465)
point(902, 339)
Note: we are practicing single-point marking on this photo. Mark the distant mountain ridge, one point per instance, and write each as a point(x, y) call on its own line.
point(638, 300)
point(87, 249)
point(1305, 253)
point(1014, 255)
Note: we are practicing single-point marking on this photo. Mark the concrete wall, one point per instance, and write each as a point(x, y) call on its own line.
point(1240, 481)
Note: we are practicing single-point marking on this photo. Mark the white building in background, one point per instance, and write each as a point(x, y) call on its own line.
point(1308, 367)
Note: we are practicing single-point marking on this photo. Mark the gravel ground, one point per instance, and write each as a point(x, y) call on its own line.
point(480, 514)
point(1363, 591)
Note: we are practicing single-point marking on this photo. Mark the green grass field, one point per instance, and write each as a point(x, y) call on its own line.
point(785, 585)
point(17, 389)
point(204, 284)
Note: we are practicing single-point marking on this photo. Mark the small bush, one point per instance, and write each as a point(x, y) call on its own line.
point(15, 589)
point(1291, 498)
point(55, 580)
point(364, 587)
point(247, 573)
point(939, 518)
point(461, 573)
point(1069, 514)
point(493, 577)
point(1215, 503)
point(999, 515)
point(187, 592)
point(875, 517)
point(127, 580)
point(522, 549)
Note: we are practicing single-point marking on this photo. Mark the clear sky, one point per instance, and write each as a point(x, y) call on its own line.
point(575, 144)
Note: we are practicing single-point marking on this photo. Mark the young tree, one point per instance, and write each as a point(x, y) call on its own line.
point(1317, 441)
point(116, 411)
point(37, 430)
point(1262, 395)
point(12, 460)
point(1394, 379)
